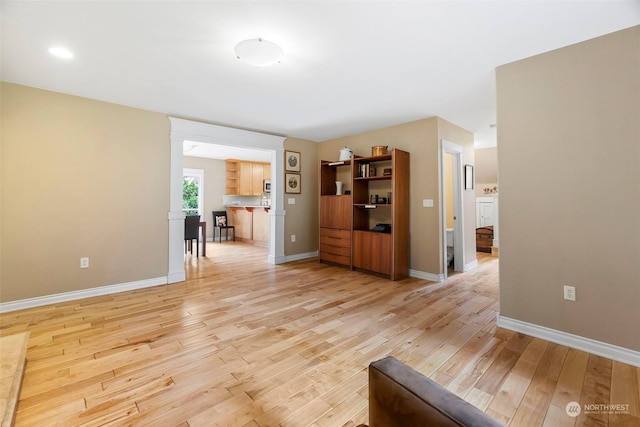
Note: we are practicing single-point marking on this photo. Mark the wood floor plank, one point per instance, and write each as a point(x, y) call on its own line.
point(535, 403)
point(625, 396)
point(568, 388)
point(246, 343)
point(506, 402)
point(596, 390)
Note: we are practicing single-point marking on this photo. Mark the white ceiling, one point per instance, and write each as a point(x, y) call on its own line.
point(350, 66)
point(218, 151)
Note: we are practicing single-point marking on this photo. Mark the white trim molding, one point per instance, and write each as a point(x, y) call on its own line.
point(6, 307)
point(471, 265)
point(598, 348)
point(297, 257)
point(431, 277)
point(189, 130)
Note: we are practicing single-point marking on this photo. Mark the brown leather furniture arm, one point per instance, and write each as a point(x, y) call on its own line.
point(400, 396)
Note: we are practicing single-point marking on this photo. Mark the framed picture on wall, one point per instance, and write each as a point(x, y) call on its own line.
point(468, 177)
point(292, 184)
point(292, 161)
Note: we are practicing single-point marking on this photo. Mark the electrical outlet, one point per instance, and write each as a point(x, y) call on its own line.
point(570, 293)
point(84, 262)
point(293, 238)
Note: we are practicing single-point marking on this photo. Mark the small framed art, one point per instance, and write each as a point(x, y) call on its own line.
point(468, 177)
point(292, 161)
point(292, 184)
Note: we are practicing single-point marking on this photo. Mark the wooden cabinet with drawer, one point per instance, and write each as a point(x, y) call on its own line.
point(335, 214)
point(358, 228)
point(335, 246)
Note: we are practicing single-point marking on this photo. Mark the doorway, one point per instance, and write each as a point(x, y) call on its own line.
point(186, 130)
point(452, 223)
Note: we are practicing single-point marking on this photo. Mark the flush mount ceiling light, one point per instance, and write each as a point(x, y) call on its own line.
point(259, 52)
point(61, 52)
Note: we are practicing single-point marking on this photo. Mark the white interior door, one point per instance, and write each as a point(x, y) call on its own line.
point(485, 211)
point(485, 214)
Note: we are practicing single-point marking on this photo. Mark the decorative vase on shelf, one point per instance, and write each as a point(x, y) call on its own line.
point(338, 188)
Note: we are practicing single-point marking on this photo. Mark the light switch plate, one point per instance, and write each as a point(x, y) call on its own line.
point(427, 203)
point(291, 201)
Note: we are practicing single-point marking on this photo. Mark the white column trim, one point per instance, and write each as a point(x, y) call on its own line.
point(175, 215)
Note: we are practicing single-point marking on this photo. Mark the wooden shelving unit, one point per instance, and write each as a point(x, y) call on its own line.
point(231, 186)
point(335, 213)
point(369, 228)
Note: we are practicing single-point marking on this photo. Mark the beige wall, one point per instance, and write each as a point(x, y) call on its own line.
point(569, 161)
point(80, 178)
point(486, 171)
point(87, 178)
point(486, 165)
point(421, 139)
point(214, 185)
point(302, 217)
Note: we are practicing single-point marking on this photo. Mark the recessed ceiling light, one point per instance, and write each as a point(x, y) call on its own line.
point(259, 52)
point(61, 52)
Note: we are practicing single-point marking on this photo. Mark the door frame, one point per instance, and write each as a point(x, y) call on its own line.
point(187, 130)
point(455, 150)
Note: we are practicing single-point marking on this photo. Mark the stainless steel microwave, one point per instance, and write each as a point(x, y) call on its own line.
point(266, 186)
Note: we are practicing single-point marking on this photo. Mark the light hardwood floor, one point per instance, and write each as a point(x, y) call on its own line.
point(245, 343)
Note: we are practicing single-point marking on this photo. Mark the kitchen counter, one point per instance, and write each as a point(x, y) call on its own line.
point(248, 207)
point(252, 223)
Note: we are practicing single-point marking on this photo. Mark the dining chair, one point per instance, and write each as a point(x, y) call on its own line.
point(191, 232)
point(220, 222)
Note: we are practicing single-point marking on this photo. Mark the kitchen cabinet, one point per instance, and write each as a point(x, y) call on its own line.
point(231, 185)
point(242, 220)
point(252, 224)
point(258, 175)
point(245, 178)
point(261, 227)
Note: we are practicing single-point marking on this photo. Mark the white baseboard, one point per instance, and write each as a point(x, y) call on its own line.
point(75, 295)
point(432, 277)
point(303, 255)
point(471, 265)
point(598, 348)
point(426, 276)
point(287, 258)
point(179, 276)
